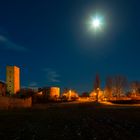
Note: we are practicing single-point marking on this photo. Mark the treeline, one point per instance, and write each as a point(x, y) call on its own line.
point(118, 86)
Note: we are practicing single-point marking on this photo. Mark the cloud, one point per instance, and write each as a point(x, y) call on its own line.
point(9, 45)
point(2, 38)
point(33, 84)
point(51, 75)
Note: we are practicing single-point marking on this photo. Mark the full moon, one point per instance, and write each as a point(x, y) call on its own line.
point(96, 23)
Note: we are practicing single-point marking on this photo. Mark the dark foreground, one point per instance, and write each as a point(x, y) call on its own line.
point(86, 121)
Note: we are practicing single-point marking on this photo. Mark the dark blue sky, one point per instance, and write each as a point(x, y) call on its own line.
point(51, 42)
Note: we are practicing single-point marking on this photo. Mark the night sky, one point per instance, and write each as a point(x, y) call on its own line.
point(50, 40)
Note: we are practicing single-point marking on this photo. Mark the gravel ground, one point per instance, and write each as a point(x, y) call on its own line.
point(85, 121)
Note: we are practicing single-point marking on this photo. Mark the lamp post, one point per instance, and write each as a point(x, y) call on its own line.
point(69, 94)
point(97, 95)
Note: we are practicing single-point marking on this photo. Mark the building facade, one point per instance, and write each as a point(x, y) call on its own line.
point(70, 95)
point(54, 92)
point(13, 79)
point(2, 88)
point(50, 93)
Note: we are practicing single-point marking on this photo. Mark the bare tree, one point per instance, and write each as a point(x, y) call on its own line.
point(134, 87)
point(97, 82)
point(109, 87)
point(97, 86)
point(119, 85)
point(116, 86)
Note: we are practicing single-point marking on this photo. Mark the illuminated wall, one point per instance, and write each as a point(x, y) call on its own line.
point(54, 92)
point(13, 79)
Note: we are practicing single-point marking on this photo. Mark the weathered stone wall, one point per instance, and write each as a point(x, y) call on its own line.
point(10, 102)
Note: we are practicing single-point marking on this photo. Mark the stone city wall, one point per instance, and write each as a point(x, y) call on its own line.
point(10, 102)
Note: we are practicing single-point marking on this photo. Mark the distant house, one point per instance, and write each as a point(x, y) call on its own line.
point(51, 93)
point(2, 88)
point(70, 95)
point(94, 95)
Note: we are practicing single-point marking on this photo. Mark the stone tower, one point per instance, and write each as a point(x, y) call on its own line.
point(13, 79)
point(54, 92)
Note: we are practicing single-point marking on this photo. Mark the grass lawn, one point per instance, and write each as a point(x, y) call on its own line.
point(70, 121)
